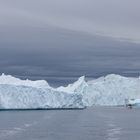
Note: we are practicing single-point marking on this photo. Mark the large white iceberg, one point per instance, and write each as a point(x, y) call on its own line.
point(109, 90)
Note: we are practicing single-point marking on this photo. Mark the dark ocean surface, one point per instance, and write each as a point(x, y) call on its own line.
point(97, 123)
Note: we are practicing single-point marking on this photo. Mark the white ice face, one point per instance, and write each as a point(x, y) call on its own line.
point(24, 97)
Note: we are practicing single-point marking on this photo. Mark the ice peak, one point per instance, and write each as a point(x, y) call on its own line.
point(81, 79)
point(71, 88)
point(78, 83)
point(2, 74)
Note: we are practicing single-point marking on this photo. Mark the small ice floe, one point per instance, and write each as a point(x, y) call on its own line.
point(132, 103)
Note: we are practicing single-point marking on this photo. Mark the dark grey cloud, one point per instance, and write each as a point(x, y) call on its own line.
point(62, 40)
point(59, 55)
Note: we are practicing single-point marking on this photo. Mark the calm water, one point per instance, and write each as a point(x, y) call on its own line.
point(99, 123)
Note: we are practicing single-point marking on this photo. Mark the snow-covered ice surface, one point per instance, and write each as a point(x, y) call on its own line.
point(109, 90)
point(10, 80)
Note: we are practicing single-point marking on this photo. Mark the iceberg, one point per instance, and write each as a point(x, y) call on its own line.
point(110, 90)
point(132, 103)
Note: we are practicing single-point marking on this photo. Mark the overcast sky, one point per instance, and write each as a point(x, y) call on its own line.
point(60, 40)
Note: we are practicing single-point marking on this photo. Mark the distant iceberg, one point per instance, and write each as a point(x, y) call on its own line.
point(132, 103)
point(111, 90)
